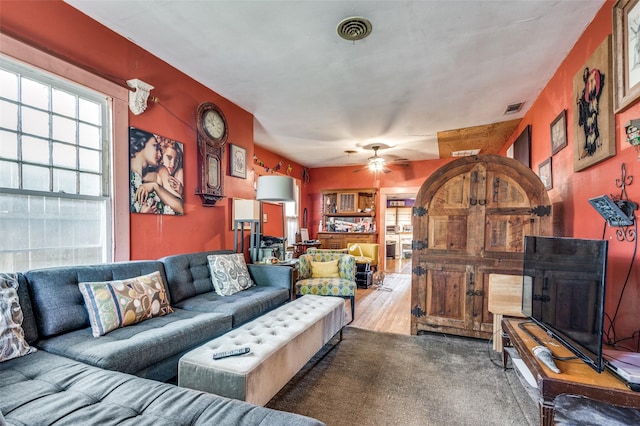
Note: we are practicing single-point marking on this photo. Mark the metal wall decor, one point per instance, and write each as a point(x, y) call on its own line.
point(619, 211)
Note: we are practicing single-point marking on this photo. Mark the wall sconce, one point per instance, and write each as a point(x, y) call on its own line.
point(138, 97)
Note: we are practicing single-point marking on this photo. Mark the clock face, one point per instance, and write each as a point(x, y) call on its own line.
point(213, 124)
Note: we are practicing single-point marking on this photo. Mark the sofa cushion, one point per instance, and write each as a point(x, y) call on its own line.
point(243, 306)
point(29, 320)
point(44, 389)
point(12, 341)
point(229, 273)
point(119, 303)
point(139, 346)
point(328, 269)
point(56, 299)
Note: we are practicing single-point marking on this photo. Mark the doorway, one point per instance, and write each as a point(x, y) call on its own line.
point(397, 228)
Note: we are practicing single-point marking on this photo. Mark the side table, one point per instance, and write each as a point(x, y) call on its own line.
point(576, 377)
point(301, 248)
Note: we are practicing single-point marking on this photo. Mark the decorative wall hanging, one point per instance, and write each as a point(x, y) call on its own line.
point(544, 171)
point(237, 161)
point(626, 42)
point(559, 132)
point(619, 211)
point(275, 168)
point(593, 119)
point(156, 175)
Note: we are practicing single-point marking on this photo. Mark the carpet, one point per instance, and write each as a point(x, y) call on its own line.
point(373, 378)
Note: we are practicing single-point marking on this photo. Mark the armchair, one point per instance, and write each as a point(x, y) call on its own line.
point(327, 274)
point(365, 253)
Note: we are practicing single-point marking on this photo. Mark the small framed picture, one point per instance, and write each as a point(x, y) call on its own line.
point(544, 171)
point(559, 132)
point(238, 161)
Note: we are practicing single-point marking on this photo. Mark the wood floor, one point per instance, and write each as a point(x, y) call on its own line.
point(383, 310)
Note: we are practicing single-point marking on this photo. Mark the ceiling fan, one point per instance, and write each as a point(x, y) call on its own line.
point(375, 163)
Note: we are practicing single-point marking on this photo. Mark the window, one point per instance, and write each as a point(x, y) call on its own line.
point(55, 206)
point(291, 214)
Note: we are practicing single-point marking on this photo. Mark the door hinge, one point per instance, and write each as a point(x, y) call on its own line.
point(419, 211)
point(541, 211)
point(418, 245)
point(419, 270)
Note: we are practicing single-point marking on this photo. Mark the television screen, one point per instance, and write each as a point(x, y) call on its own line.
point(563, 292)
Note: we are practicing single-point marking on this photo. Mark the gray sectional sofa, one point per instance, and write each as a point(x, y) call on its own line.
point(75, 378)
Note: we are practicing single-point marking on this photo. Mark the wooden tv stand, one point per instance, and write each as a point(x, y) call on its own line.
point(576, 377)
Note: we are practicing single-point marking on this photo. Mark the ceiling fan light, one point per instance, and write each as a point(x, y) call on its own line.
point(376, 166)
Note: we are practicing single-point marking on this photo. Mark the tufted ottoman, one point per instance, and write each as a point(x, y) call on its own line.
point(281, 342)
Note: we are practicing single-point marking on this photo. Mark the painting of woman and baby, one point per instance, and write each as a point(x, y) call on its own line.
point(156, 173)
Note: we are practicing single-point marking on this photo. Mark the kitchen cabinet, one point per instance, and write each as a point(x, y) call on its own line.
point(348, 216)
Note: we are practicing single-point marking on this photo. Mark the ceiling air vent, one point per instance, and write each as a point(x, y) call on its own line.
point(513, 108)
point(354, 28)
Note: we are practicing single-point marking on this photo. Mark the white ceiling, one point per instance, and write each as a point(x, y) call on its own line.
point(428, 66)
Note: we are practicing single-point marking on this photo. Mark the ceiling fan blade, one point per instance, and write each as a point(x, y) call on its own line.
point(361, 169)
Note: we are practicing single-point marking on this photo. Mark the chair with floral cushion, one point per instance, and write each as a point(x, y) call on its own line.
point(328, 274)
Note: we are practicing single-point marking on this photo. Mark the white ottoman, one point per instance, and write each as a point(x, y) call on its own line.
point(281, 342)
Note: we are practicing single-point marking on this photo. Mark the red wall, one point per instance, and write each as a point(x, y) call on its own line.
point(64, 32)
point(346, 177)
point(573, 215)
point(61, 30)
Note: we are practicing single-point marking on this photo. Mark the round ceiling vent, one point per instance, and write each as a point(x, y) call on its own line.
point(354, 28)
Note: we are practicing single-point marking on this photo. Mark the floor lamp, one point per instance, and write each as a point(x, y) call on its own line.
point(277, 189)
point(246, 213)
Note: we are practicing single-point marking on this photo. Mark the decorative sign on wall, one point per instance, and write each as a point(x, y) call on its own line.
point(593, 119)
point(156, 173)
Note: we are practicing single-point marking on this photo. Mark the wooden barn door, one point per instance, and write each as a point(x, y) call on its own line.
point(470, 220)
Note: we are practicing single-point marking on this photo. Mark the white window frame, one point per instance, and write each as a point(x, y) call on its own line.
point(119, 152)
point(291, 216)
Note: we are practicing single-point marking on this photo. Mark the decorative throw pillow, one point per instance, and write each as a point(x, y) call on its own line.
point(115, 304)
point(12, 342)
point(325, 269)
point(229, 273)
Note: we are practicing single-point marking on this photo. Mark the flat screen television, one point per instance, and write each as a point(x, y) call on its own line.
point(564, 290)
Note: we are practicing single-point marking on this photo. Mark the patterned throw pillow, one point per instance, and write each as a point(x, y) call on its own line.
point(115, 304)
point(325, 269)
point(229, 273)
point(12, 342)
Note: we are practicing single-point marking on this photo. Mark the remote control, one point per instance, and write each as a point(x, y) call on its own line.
point(234, 352)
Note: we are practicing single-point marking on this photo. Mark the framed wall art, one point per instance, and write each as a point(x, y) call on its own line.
point(559, 132)
point(544, 171)
point(522, 147)
point(238, 161)
point(626, 44)
point(593, 118)
point(156, 185)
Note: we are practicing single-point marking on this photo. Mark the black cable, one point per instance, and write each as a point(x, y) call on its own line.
point(612, 320)
point(535, 339)
point(490, 351)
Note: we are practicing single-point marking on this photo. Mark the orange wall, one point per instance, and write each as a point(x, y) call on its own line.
point(62, 31)
point(346, 177)
point(573, 215)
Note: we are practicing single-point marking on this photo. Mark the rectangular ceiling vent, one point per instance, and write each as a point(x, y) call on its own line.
point(513, 108)
point(465, 153)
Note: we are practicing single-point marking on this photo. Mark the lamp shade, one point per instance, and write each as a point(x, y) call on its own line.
point(275, 188)
point(246, 210)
